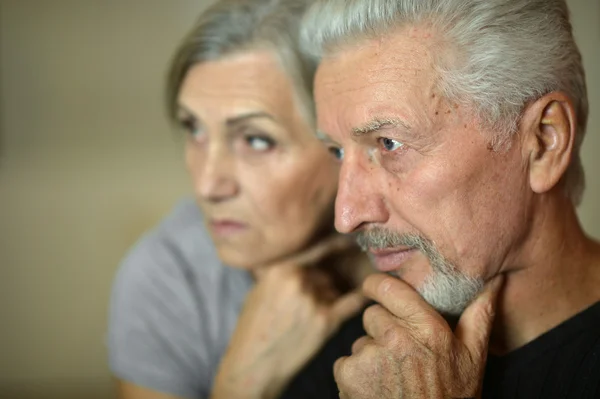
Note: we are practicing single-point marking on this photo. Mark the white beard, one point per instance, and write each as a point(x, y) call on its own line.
point(449, 291)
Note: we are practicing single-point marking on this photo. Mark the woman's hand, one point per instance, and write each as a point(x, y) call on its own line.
point(295, 306)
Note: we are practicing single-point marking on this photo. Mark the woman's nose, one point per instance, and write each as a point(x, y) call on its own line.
point(215, 179)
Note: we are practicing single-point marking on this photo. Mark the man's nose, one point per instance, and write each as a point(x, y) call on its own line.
point(359, 201)
point(216, 181)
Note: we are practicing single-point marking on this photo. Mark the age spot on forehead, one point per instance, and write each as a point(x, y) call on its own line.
point(419, 32)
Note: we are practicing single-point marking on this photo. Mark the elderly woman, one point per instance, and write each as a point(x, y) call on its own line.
point(233, 294)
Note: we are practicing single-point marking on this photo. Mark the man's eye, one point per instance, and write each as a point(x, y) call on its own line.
point(260, 143)
point(337, 152)
point(390, 144)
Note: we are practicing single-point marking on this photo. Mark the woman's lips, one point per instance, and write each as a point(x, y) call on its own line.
point(224, 227)
point(390, 259)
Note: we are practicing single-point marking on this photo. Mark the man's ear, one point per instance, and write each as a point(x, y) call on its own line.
point(549, 126)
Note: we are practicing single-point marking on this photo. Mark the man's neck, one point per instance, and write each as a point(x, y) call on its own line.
point(555, 276)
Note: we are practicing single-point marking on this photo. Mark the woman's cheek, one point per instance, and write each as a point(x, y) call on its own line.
point(194, 159)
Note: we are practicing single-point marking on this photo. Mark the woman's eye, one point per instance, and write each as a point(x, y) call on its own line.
point(337, 152)
point(260, 143)
point(390, 144)
point(191, 127)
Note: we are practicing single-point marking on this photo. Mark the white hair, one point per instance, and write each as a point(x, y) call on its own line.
point(233, 26)
point(446, 289)
point(497, 55)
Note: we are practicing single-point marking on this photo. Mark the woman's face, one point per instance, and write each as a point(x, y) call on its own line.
point(264, 182)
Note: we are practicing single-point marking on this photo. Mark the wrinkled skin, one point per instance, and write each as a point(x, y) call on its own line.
point(416, 163)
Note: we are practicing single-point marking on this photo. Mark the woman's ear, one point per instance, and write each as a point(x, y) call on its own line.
point(550, 125)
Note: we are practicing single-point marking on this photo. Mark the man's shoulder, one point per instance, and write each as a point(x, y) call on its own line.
point(562, 363)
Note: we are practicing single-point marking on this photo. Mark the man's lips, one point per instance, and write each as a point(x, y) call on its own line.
point(390, 259)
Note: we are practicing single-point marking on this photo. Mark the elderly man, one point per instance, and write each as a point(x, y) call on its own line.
point(458, 124)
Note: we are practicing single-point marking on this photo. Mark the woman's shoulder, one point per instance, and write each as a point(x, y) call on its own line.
point(178, 244)
point(164, 307)
point(179, 250)
point(173, 280)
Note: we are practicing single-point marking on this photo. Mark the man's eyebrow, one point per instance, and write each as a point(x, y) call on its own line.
point(378, 123)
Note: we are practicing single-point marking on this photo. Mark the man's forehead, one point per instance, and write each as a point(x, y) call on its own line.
point(371, 86)
point(401, 59)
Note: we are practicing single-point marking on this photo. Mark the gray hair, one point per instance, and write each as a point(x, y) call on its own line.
point(233, 26)
point(447, 289)
point(505, 53)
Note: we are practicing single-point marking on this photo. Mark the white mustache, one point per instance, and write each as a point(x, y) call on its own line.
point(379, 238)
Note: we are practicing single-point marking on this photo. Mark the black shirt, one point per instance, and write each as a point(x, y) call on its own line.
point(562, 363)
point(316, 381)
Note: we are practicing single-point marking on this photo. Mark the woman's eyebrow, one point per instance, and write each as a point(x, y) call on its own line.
point(251, 115)
point(182, 109)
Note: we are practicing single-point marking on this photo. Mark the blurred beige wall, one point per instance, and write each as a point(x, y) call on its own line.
point(586, 20)
point(88, 162)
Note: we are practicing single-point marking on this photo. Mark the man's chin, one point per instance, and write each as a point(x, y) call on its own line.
point(451, 293)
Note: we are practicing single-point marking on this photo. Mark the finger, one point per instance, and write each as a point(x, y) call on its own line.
point(377, 320)
point(351, 372)
point(309, 257)
point(400, 299)
point(330, 245)
point(475, 325)
point(338, 368)
point(345, 307)
point(360, 343)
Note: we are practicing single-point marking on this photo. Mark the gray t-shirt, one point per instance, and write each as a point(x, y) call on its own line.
point(174, 307)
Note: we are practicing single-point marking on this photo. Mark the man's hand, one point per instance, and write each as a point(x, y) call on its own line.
point(289, 314)
point(411, 351)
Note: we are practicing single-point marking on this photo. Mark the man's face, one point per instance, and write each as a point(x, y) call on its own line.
point(419, 181)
